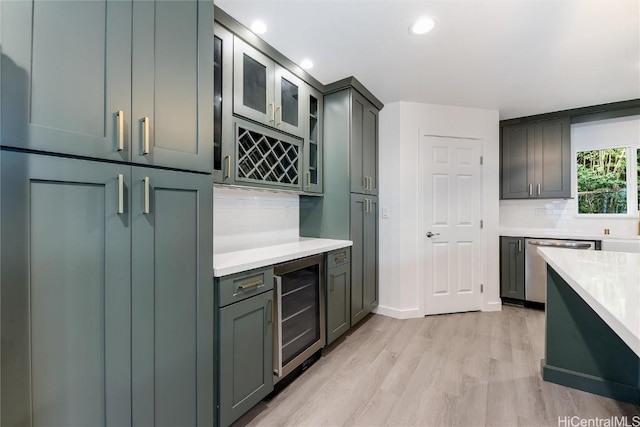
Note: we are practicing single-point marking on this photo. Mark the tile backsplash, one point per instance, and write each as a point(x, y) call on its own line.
point(560, 215)
point(244, 218)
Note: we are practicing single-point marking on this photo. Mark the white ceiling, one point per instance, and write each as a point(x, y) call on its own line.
point(520, 57)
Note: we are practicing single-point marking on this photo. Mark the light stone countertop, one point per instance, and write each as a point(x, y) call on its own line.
point(609, 282)
point(228, 263)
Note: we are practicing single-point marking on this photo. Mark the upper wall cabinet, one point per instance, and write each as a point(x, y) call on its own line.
point(364, 145)
point(536, 160)
point(265, 92)
point(108, 80)
point(223, 140)
point(313, 141)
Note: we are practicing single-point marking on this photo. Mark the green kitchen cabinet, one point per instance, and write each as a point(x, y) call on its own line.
point(313, 165)
point(245, 342)
point(107, 297)
point(338, 293)
point(172, 298)
point(223, 139)
point(364, 256)
point(364, 145)
point(114, 80)
point(536, 159)
point(343, 213)
point(66, 292)
point(512, 272)
point(266, 92)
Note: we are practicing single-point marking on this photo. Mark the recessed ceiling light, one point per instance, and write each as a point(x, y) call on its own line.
point(258, 27)
point(422, 25)
point(306, 64)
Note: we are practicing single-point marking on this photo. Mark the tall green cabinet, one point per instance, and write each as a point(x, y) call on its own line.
point(349, 206)
point(106, 213)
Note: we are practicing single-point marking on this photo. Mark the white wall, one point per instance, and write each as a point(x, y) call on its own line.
point(245, 218)
point(401, 123)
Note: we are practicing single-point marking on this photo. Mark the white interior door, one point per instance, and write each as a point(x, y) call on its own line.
point(451, 195)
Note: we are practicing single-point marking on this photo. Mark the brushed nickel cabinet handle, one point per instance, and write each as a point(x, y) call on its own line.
point(272, 109)
point(250, 285)
point(147, 190)
point(227, 173)
point(120, 130)
point(120, 194)
point(530, 190)
point(538, 189)
point(271, 311)
point(519, 246)
point(145, 135)
point(308, 174)
point(279, 115)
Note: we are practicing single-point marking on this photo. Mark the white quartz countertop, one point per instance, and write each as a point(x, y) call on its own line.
point(235, 262)
point(609, 282)
point(562, 234)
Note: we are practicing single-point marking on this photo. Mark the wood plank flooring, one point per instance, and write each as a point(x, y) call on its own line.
point(467, 369)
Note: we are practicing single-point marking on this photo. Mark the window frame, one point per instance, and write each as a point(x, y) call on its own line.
point(632, 149)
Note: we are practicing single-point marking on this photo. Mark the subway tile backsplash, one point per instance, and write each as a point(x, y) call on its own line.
point(244, 218)
point(560, 215)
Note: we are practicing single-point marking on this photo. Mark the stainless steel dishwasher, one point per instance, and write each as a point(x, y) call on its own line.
point(535, 267)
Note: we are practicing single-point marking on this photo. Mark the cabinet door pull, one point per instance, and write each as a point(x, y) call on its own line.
point(530, 190)
point(250, 285)
point(147, 190)
point(270, 311)
point(272, 110)
point(519, 246)
point(120, 130)
point(308, 174)
point(120, 194)
point(227, 172)
point(145, 135)
point(279, 115)
point(538, 189)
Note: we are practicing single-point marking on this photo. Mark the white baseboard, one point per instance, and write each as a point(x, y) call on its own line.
point(398, 314)
point(492, 306)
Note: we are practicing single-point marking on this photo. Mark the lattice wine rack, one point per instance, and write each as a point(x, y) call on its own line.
point(267, 159)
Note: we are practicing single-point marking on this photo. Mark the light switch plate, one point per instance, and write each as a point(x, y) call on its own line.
point(385, 212)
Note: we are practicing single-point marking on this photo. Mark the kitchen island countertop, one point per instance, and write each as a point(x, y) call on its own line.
point(237, 261)
point(609, 282)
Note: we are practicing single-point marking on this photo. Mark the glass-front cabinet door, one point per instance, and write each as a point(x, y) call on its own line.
point(289, 114)
point(265, 92)
point(312, 182)
point(253, 96)
point(223, 137)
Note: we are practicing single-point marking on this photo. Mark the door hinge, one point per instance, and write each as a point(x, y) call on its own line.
point(481, 288)
point(481, 224)
point(481, 160)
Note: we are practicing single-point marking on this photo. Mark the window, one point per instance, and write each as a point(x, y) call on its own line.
point(607, 166)
point(602, 181)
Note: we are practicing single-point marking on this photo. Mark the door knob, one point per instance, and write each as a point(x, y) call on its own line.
point(430, 234)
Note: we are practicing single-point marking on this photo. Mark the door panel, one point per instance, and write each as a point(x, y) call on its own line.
point(290, 106)
point(357, 159)
point(553, 148)
point(172, 298)
point(338, 301)
point(172, 84)
point(246, 355)
point(253, 94)
point(451, 195)
point(370, 146)
point(66, 311)
point(371, 255)
point(61, 92)
point(358, 232)
point(517, 155)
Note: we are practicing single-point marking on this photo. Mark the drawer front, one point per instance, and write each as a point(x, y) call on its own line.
point(237, 287)
point(338, 257)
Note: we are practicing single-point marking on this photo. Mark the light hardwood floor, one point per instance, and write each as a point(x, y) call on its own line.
point(467, 369)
